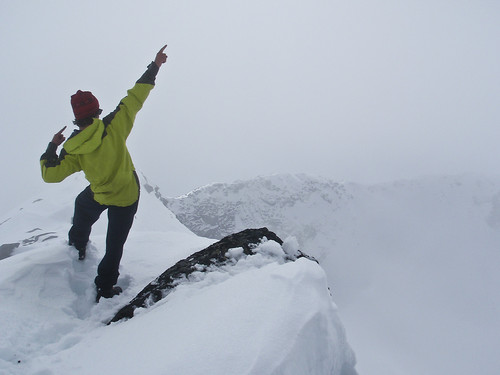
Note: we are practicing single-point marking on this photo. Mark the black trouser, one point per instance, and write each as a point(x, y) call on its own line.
point(120, 220)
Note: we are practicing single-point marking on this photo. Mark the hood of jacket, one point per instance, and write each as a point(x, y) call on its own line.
point(87, 140)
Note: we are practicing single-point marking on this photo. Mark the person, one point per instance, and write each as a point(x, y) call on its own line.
point(98, 148)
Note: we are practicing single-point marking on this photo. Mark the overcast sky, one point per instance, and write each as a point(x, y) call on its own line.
point(357, 90)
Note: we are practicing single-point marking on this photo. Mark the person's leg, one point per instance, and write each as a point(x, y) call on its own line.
point(120, 221)
point(87, 212)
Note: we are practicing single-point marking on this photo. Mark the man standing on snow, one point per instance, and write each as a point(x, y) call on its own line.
point(98, 148)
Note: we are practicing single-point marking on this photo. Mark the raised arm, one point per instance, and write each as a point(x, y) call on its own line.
point(57, 168)
point(126, 111)
point(150, 75)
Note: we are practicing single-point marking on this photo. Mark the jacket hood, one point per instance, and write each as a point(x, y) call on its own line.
point(87, 140)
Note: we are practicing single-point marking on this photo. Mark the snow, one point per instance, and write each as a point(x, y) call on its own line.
point(257, 315)
point(413, 265)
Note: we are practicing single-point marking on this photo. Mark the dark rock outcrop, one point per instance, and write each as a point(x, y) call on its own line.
point(214, 255)
point(7, 249)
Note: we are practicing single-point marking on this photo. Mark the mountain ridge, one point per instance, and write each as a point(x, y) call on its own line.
point(400, 247)
point(258, 315)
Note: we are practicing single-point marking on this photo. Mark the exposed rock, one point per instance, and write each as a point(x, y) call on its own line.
point(40, 237)
point(214, 255)
point(7, 249)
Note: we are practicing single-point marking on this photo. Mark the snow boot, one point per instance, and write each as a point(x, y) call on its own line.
point(82, 250)
point(108, 292)
point(81, 253)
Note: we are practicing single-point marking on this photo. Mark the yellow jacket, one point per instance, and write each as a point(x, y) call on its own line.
point(100, 150)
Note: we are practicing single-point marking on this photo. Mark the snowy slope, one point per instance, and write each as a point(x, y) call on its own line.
point(414, 265)
point(262, 316)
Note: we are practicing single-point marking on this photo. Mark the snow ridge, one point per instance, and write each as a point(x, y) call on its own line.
point(220, 209)
point(259, 316)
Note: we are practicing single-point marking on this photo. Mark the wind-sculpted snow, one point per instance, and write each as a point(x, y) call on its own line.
point(251, 247)
point(257, 314)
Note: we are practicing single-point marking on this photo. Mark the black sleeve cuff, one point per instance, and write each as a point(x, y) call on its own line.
point(51, 148)
point(149, 75)
point(50, 153)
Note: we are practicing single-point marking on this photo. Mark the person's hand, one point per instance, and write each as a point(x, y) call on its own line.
point(59, 137)
point(161, 58)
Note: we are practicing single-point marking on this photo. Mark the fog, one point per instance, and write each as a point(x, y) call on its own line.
point(355, 91)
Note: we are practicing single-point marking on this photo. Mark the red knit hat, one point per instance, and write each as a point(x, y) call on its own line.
point(84, 104)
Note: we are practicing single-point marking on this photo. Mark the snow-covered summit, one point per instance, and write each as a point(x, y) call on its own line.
point(263, 316)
